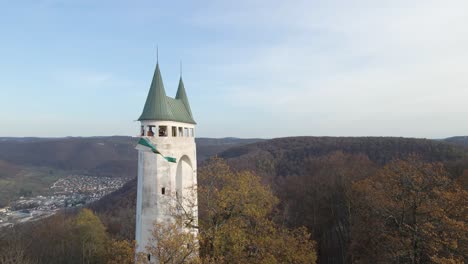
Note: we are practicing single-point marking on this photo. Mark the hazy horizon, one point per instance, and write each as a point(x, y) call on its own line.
point(222, 137)
point(252, 69)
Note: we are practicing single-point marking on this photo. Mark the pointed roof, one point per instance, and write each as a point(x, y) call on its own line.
point(155, 106)
point(160, 107)
point(182, 95)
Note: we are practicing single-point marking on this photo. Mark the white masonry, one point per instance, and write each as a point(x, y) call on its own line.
point(159, 180)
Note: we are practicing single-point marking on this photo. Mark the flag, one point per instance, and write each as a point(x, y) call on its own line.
point(145, 144)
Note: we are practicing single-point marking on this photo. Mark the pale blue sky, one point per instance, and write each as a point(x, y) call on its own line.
point(251, 68)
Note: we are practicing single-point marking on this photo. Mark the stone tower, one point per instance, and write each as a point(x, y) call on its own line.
point(167, 161)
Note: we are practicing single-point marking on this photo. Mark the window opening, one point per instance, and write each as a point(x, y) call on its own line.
point(150, 131)
point(163, 190)
point(185, 132)
point(174, 131)
point(142, 131)
point(191, 132)
point(163, 131)
point(181, 133)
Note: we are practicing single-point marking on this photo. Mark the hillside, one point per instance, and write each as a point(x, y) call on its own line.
point(283, 156)
point(96, 155)
point(207, 147)
point(310, 175)
point(460, 140)
point(30, 165)
point(288, 156)
point(110, 156)
point(7, 169)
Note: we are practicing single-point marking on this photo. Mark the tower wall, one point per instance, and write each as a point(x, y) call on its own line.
point(156, 173)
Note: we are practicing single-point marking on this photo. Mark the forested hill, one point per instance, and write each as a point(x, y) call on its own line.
point(31, 165)
point(462, 141)
point(291, 156)
point(207, 147)
point(109, 156)
point(313, 176)
point(116, 156)
point(284, 156)
point(314, 179)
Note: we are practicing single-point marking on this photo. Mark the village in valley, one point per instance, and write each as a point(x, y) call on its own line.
point(68, 192)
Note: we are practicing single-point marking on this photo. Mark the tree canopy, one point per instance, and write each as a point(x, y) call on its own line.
point(409, 212)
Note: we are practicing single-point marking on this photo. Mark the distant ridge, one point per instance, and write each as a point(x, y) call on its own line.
point(283, 153)
point(100, 155)
point(459, 140)
point(115, 155)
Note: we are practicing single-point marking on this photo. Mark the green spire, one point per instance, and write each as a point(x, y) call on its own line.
point(156, 107)
point(182, 95)
point(160, 107)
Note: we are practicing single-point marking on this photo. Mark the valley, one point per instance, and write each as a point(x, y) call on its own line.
point(67, 192)
point(40, 176)
point(311, 176)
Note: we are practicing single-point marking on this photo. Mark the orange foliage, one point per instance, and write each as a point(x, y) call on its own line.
point(409, 212)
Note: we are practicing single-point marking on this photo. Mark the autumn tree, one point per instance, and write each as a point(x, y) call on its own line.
point(13, 248)
point(236, 224)
point(92, 237)
point(409, 212)
point(171, 243)
point(120, 252)
point(50, 240)
point(319, 199)
point(66, 237)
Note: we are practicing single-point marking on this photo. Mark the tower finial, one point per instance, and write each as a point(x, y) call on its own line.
point(157, 54)
point(180, 68)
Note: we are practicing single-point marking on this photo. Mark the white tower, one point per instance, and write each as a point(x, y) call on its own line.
point(167, 162)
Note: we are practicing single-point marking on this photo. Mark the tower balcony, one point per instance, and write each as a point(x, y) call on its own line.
point(167, 130)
